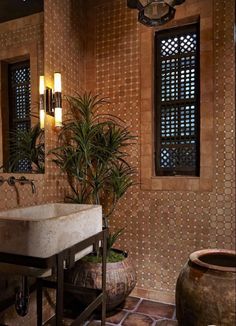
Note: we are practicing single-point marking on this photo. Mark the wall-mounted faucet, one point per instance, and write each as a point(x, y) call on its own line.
point(22, 181)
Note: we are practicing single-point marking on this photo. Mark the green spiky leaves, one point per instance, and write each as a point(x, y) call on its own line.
point(93, 152)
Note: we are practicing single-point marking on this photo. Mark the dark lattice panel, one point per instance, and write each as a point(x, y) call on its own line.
point(177, 101)
point(20, 91)
point(20, 101)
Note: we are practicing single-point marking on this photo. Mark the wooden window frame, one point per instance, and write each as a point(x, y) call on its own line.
point(24, 165)
point(12, 55)
point(148, 179)
point(159, 36)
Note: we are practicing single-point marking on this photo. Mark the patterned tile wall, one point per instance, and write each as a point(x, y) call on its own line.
point(223, 199)
point(64, 44)
point(63, 51)
point(22, 31)
point(163, 227)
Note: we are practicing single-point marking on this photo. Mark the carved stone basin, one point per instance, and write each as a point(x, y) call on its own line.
point(44, 230)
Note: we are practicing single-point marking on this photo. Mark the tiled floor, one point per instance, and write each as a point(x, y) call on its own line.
point(135, 312)
point(140, 312)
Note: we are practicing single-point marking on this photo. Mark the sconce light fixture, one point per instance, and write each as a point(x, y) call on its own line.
point(57, 100)
point(154, 12)
point(51, 100)
point(41, 102)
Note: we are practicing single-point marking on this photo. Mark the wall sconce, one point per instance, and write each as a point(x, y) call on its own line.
point(57, 100)
point(154, 12)
point(41, 102)
point(51, 102)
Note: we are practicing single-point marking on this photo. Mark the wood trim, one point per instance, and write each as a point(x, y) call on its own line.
point(207, 135)
point(4, 118)
point(184, 168)
point(24, 52)
point(13, 55)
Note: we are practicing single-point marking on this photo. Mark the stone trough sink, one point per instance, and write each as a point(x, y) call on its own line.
point(44, 230)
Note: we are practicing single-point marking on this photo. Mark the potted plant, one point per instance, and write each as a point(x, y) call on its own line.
point(93, 154)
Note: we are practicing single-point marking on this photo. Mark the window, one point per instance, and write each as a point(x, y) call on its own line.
point(177, 129)
point(19, 106)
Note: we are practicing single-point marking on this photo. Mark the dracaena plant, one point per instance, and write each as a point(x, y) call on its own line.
point(93, 153)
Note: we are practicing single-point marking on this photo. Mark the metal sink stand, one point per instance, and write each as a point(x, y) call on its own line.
point(58, 262)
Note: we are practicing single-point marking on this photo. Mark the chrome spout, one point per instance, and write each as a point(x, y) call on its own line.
point(24, 180)
point(33, 186)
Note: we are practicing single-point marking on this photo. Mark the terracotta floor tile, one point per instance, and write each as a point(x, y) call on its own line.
point(167, 322)
point(117, 317)
point(144, 313)
point(97, 323)
point(156, 309)
point(130, 303)
point(134, 319)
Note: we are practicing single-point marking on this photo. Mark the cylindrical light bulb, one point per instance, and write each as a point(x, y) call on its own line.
point(41, 118)
point(58, 117)
point(41, 85)
point(57, 82)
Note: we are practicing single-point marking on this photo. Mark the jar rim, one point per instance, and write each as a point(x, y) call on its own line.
point(211, 259)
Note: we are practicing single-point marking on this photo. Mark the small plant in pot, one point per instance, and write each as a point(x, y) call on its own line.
point(93, 154)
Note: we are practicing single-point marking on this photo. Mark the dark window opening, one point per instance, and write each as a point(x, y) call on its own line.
point(177, 124)
point(19, 91)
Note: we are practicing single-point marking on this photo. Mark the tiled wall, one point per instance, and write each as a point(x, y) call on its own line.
point(18, 37)
point(162, 227)
point(63, 51)
point(23, 31)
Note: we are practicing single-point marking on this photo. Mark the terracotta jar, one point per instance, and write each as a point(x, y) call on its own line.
point(120, 280)
point(205, 290)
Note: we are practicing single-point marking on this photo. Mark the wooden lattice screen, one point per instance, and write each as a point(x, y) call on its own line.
point(177, 101)
point(19, 104)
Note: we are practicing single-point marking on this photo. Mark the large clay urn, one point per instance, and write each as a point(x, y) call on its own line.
point(205, 290)
point(120, 280)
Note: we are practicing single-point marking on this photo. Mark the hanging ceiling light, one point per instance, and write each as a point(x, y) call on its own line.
point(154, 12)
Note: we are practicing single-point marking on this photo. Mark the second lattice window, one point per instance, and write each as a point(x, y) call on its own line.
point(177, 123)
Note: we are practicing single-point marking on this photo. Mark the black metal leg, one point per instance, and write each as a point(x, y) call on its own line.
point(39, 302)
point(60, 289)
point(104, 256)
point(58, 262)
